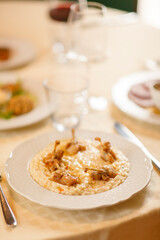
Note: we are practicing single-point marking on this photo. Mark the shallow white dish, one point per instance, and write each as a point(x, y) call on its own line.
point(120, 97)
point(16, 169)
point(22, 53)
point(40, 110)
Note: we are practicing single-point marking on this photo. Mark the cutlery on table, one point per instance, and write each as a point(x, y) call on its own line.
point(125, 132)
point(7, 211)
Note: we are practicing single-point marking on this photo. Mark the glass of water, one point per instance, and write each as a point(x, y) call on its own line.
point(67, 92)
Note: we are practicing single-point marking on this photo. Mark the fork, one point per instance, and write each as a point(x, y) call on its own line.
point(7, 211)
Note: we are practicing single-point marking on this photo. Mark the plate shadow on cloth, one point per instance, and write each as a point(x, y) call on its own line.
point(97, 215)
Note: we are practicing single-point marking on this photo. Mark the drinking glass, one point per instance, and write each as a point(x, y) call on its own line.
point(58, 12)
point(67, 91)
point(89, 30)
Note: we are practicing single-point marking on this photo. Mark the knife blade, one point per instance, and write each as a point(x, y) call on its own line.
point(126, 133)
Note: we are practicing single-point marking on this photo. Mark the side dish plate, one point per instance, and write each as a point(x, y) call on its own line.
point(39, 112)
point(120, 97)
point(22, 53)
point(16, 169)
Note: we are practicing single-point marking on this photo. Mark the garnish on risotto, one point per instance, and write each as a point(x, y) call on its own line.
point(79, 166)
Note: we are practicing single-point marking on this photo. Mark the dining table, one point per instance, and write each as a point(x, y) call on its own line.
point(128, 46)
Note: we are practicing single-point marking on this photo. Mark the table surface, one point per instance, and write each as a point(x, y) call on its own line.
point(129, 46)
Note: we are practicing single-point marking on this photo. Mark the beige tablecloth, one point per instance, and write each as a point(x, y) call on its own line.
point(136, 218)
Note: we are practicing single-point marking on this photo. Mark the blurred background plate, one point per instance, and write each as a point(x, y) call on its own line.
point(21, 53)
point(39, 112)
point(120, 96)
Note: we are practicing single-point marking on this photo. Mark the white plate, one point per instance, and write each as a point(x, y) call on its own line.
point(22, 53)
point(40, 110)
point(19, 179)
point(120, 96)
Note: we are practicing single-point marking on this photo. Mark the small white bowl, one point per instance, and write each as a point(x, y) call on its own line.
point(155, 92)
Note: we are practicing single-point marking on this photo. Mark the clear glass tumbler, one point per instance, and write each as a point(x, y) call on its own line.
point(67, 91)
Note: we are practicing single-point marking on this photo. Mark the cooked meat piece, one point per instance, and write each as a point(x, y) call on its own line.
point(48, 160)
point(52, 165)
point(110, 172)
point(69, 180)
point(59, 154)
point(74, 147)
point(107, 157)
point(52, 160)
point(113, 154)
point(55, 165)
point(107, 153)
point(96, 175)
point(68, 145)
point(57, 177)
point(20, 104)
point(106, 146)
point(57, 142)
point(105, 177)
point(103, 174)
point(82, 148)
point(65, 179)
point(99, 175)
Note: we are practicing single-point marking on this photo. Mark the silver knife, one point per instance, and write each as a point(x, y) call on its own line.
point(125, 132)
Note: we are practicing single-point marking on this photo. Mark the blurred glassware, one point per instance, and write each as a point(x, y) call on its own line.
point(60, 32)
point(85, 33)
point(58, 12)
point(89, 30)
point(67, 91)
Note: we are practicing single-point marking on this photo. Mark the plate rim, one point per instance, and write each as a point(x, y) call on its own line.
point(69, 207)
